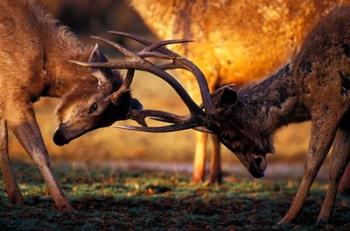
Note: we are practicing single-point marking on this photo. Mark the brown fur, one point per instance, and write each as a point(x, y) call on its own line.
point(34, 54)
point(33, 41)
point(314, 86)
point(237, 42)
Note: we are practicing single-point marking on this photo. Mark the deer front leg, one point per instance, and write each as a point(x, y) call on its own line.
point(321, 140)
point(344, 186)
point(26, 129)
point(215, 174)
point(9, 178)
point(199, 157)
point(339, 159)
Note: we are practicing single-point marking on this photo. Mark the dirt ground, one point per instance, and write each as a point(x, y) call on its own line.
point(108, 198)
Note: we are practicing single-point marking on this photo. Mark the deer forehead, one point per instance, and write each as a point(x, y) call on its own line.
point(73, 105)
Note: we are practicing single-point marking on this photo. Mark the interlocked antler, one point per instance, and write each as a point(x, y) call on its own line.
point(139, 61)
point(178, 62)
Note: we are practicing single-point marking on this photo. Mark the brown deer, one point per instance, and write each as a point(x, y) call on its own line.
point(314, 86)
point(34, 53)
point(237, 42)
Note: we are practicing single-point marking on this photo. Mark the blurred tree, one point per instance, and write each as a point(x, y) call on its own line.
point(91, 16)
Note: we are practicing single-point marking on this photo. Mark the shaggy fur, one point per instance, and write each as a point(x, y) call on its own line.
point(313, 86)
point(236, 42)
point(34, 51)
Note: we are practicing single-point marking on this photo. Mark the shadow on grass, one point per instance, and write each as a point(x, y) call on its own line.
point(107, 199)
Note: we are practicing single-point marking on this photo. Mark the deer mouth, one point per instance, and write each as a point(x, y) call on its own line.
point(64, 134)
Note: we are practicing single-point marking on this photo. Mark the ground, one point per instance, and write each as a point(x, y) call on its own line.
point(111, 199)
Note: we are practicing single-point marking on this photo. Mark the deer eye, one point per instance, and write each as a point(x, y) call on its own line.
point(93, 108)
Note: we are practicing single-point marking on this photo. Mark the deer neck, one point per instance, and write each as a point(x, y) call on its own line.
point(62, 76)
point(272, 103)
point(58, 45)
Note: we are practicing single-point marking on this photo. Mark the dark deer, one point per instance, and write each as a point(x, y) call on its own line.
point(314, 86)
point(237, 42)
point(34, 53)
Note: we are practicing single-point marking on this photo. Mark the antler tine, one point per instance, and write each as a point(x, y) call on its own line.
point(152, 54)
point(155, 46)
point(129, 78)
point(170, 128)
point(148, 51)
point(182, 63)
point(158, 115)
point(111, 64)
point(143, 41)
point(171, 66)
point(203, 85)
point(132, 36)
point(117, 46)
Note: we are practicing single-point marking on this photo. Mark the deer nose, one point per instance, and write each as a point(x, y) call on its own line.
point(59, 138)
point(261, 162)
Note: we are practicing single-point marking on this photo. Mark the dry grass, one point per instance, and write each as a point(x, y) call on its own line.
point(110, 143)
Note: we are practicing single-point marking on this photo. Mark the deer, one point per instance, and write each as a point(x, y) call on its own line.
point(34, 51)
point(314, 86)
point(230, 49)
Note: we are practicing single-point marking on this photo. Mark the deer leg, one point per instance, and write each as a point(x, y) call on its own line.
point(344, 186)
point(199, 158)
point(26, 129)
point(215, 174)
point(11, 187)
point(321, 140)
point(339, 159)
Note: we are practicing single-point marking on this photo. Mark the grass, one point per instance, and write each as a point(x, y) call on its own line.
point(110, 199)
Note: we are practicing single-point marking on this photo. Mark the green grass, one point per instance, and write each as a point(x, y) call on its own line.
point(109, 199)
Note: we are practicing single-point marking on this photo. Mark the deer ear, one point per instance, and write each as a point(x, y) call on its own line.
point(136, 105)
point(123, 96)
point(97, 55)
point(120, 96)
point(103, 75)
point(225, 98)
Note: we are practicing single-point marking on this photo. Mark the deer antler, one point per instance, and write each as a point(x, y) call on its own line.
point(197, 117)
point(178, 63)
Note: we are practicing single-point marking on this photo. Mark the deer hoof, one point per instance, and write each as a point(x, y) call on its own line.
point(211, 181)
point(197, 180)
point(321, 221)
point(284, 221)
point(16, 198)
point(66, 207)
point(344, 190)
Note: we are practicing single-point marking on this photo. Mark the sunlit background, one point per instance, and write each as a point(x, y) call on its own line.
point(90, 17)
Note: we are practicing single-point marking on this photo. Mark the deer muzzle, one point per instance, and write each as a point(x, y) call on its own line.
point(255, 164)
point(59, 138)
point(65, 133)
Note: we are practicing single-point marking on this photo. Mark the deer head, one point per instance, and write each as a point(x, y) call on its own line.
point(231, 123)
point(96, 105)
point(218, 114)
